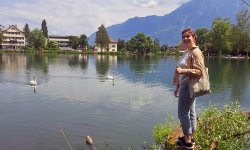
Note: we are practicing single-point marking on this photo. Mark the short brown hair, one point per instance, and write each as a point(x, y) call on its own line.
point(190, 31)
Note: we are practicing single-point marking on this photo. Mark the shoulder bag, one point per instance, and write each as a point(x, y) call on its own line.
point(199, 86)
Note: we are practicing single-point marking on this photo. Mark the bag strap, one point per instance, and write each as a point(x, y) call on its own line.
point(191, 62)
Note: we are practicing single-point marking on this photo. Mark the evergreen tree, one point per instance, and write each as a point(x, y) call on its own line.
point(44, 28)
point(102, 37)
point(157, 45)
point(1, 34)
point(83, 41)
point(121, 45)
point(26, 30)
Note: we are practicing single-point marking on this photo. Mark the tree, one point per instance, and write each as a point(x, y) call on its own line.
point(102, 37)
point(44, 28)
point(83, 41)
point(202, 38)
point(36, 39)
point(240, 32)
point(52, 45)
point(1, 34)
point(157, 45)
point(220, 35)
point(140, 43)
point(26, 30)
point(164, 47)
point(121, 45)
point(73, 42)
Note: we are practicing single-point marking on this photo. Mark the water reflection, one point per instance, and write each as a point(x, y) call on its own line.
point(80, 59)
point(233, 74)
point(34, 88)
point(103, 63)
point(39, 62)
point(151, 70)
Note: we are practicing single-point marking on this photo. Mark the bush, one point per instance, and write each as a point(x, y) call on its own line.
point(161, 132)
point(229, 127)
point(225, 127)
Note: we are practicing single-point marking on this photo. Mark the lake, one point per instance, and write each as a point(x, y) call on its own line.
point(73, 94)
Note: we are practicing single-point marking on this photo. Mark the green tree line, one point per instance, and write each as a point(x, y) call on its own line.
point(224, 38)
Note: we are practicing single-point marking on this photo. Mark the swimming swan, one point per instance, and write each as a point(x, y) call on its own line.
point(110, 77)
point(33, 82)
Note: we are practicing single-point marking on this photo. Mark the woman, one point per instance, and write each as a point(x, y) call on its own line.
point(189, 66)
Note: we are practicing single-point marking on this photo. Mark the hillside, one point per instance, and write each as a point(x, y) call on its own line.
point(194, 14)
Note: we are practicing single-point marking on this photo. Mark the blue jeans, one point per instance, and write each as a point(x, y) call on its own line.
point(186, 110)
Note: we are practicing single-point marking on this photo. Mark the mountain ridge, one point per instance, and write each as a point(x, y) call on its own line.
point(194, 14)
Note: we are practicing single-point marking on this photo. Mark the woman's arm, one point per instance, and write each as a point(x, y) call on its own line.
point(176, 79)
point(177, 83)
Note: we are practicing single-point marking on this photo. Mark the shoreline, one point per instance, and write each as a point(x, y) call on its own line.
point(116, 53)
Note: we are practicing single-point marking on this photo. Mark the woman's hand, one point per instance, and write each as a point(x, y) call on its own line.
point(179, 70)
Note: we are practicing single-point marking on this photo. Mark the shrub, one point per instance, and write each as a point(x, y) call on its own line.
point(227, 127)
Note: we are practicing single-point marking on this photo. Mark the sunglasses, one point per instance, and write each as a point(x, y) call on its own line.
point(187, 36)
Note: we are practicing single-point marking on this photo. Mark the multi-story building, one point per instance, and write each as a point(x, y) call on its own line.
point(63, 41)
point(112, 46)
point(14, 38)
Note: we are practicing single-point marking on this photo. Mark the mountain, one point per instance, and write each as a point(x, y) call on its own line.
point(194, 14)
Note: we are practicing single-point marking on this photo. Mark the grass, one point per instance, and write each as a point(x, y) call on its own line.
point(229, 127)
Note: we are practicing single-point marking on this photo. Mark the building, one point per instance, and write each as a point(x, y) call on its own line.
point(112, 46)
point(14, 38)
point(63, 41)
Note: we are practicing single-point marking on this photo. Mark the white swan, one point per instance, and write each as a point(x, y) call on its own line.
point(33, 82)
point(110, 77)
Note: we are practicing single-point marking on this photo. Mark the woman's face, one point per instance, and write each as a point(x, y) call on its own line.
point(188, 39)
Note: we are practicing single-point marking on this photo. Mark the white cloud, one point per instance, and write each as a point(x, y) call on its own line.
point(146, 3)
point(66, 17)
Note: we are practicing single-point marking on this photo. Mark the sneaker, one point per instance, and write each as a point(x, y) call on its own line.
point(183, 144)
point(183, 139)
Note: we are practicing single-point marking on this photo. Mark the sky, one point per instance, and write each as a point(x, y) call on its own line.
point(76, 17)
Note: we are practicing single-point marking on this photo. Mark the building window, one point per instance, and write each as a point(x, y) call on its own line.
point(113, 46)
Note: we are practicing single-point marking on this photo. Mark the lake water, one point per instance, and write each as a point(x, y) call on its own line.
point(73, 91)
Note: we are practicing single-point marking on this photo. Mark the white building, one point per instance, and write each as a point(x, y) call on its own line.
point(14, 38)
point(112, 46)
point(63, 41)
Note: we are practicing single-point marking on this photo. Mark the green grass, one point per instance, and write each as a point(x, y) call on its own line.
point(225, 125)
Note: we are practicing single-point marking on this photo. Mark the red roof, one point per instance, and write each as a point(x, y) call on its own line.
point(112, 40)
